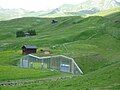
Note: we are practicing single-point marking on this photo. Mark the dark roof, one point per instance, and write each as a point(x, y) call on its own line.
point(29, 47)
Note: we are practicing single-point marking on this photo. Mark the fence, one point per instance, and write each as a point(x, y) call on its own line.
point(59, 62)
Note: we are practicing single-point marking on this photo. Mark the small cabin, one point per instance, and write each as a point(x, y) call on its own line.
point(54, 21)
point(27, 34)
point(28, 49)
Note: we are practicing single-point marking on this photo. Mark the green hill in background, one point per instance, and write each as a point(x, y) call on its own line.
point(86, 8)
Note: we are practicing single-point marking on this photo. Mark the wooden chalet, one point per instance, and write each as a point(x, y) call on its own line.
point(28, 49)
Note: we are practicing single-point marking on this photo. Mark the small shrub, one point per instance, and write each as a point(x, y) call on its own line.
point(20, 34)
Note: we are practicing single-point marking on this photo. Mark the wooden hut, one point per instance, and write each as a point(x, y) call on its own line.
point(28, 49)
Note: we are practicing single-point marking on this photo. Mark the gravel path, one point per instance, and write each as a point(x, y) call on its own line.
point(23, 82)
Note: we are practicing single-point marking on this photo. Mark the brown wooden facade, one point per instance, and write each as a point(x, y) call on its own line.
point(27, 49)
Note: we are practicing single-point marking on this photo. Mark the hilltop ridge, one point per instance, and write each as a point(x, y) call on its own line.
point(88, 7)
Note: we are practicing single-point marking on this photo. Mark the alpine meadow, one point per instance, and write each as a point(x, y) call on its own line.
point(92, 40)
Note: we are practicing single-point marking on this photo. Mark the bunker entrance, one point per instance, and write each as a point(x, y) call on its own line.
point(59, 62)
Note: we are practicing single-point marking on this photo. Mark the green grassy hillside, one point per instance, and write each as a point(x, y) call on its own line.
point(94, 43)
point(103, 79)
point(13, 73)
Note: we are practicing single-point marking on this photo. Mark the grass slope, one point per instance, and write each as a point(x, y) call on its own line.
point(103, 79)
point(13, 73)
point(94, 43)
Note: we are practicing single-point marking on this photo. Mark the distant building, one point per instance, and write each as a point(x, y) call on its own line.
point(54, 21)
point(27, 34)
point(28, 49)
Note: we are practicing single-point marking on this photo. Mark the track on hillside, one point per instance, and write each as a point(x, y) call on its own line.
point(24, 82)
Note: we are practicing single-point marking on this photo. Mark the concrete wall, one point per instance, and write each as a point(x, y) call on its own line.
point(60, 62)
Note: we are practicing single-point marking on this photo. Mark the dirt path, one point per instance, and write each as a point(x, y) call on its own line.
point(23, 82)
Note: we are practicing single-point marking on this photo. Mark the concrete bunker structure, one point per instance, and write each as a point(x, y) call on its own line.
point(58, 62)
